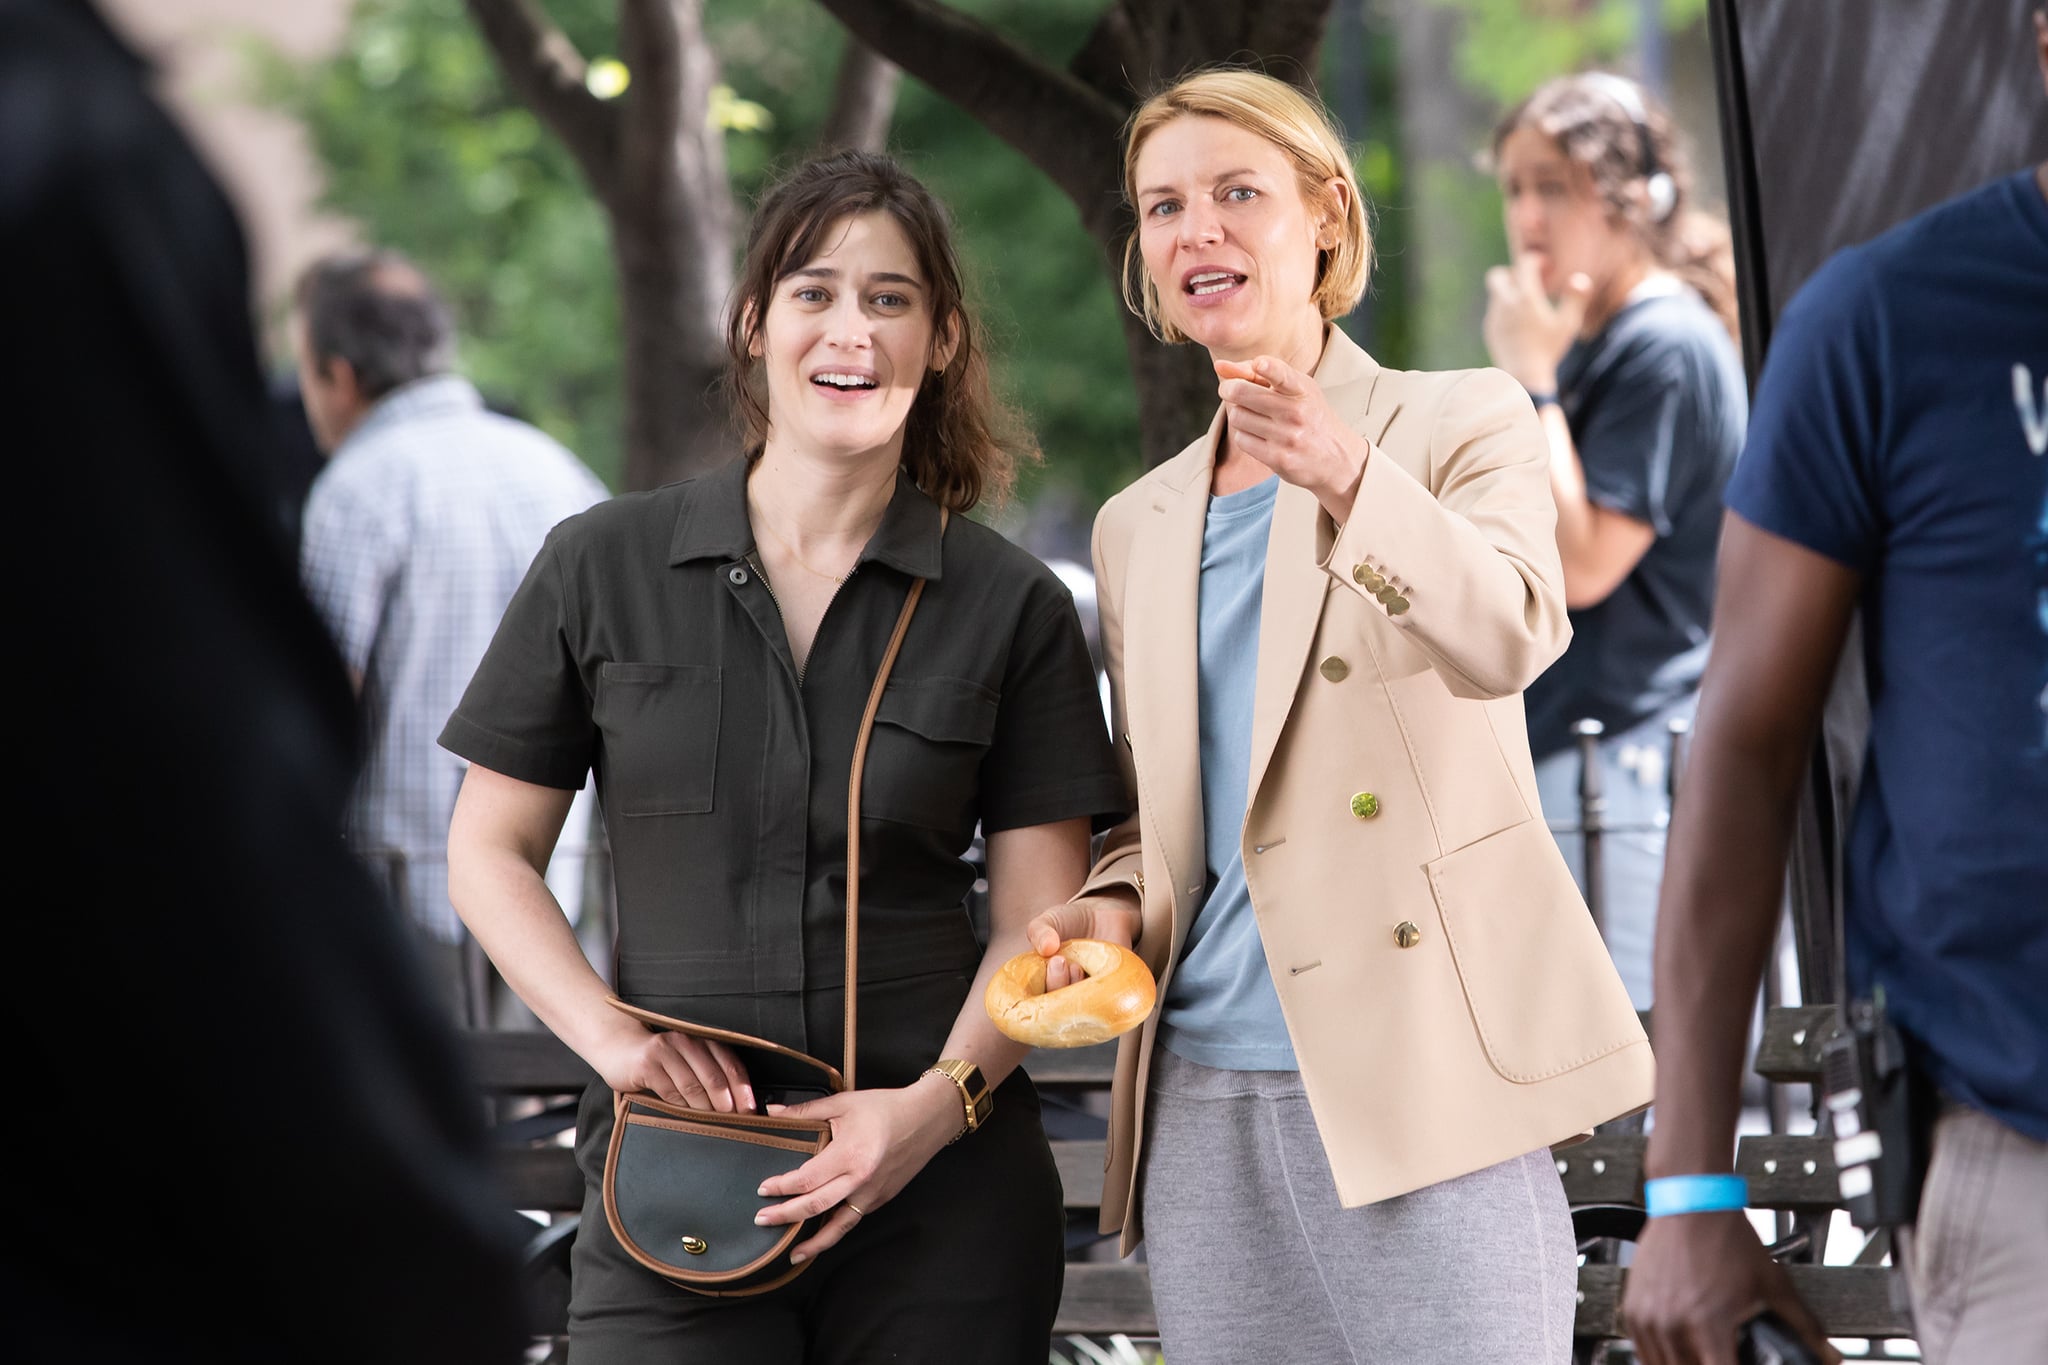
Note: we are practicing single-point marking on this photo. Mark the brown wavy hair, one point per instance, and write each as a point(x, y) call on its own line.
point(1592, 124)
point(961, 443)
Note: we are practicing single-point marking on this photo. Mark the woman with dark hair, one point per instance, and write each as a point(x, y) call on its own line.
point(708, 649)
point(1617, 314)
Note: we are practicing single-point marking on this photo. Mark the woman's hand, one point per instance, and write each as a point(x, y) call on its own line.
point(1110, 919)
point(1279, 417)
point(681, 1069)
point(880, 1139)
point(1526, 334)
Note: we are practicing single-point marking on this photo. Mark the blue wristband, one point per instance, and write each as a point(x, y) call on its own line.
point(1672, 1194)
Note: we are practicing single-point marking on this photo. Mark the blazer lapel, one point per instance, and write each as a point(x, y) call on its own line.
point(1161, 623)
point(1291, 605)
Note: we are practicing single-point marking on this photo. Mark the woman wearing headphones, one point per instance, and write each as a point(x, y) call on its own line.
point(1617, 314)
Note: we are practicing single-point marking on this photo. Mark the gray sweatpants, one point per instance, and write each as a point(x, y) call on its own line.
point(1252, 1258)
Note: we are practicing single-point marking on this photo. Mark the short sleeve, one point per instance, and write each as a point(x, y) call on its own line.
point(1631, 443)
point(351, 549)
point(1050, 758)
point(527, 710)
point(1806, 474)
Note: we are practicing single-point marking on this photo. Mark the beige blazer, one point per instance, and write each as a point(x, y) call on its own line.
point(1392, 800)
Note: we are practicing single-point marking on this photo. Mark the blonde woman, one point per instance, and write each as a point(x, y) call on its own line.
point(1382, 998)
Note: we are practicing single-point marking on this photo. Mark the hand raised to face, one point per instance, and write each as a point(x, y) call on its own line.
point(1526, 333)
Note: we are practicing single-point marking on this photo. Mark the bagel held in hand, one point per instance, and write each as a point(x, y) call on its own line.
point(1112, 999)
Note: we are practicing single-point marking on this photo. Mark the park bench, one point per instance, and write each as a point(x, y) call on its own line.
point(1794, 1176)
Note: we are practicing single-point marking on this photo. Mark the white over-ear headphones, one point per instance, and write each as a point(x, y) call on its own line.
point(1657, 182)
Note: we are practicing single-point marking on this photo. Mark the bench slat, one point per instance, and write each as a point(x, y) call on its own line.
point(1104, 1298)
point(524, 1062)
point(1601, 1170)
point(546, 1178)
point(1784, 1172)
point(1789, 1051)
point(1850, 1301)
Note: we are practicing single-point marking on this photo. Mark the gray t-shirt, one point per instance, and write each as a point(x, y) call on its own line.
point(1221, 1009)
point(1657, 404)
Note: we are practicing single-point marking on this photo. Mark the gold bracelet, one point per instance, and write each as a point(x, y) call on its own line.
point(976, 1108)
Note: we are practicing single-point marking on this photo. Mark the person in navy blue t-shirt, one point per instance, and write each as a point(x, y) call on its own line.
point(1897, 464)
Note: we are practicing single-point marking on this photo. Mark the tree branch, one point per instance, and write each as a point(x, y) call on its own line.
point(863, 100)
point(547, 73)
point(1060, 125)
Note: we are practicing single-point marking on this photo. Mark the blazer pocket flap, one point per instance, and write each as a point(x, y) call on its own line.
point(950, 710)
point(1542, 990)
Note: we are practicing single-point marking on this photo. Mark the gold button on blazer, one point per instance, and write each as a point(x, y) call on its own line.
point(1448, 999)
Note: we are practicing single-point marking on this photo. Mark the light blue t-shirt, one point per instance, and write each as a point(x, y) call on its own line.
point(1221, 1009)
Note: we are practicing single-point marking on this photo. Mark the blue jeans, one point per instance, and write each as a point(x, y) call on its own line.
point(1634, 771)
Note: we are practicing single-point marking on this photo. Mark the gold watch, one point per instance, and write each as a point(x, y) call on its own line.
point(975, 1096)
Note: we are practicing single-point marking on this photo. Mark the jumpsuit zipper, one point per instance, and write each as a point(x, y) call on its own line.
point(762, 574)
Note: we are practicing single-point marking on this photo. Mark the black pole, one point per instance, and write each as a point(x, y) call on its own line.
point(1592, 818)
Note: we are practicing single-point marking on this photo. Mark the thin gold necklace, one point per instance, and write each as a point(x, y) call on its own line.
point(802, 563)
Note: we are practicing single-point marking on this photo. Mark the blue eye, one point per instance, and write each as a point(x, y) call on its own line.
point(1163, 208)
point(1241, 194)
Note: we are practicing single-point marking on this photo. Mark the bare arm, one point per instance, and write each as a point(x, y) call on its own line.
point(1781, 614)
point(1598, 546)
point(1028, 869)
point(881, 1139)
point(1528, 335)
point(499, 841)
point(1780, 617)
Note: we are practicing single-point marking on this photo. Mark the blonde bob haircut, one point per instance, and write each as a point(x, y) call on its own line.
point(1297, 125)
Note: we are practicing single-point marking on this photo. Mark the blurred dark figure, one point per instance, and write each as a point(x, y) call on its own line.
point(299, 458)
point(260, 1143)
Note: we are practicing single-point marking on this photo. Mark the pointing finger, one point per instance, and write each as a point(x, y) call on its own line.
point(1281, 377)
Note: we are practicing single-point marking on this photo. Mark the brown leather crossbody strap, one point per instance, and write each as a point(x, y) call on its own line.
point(860, 757)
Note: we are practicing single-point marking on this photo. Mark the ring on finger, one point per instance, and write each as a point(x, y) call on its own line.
point(858, 1212)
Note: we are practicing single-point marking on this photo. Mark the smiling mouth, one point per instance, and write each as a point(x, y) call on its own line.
point(1211, 282)
point(843, 381)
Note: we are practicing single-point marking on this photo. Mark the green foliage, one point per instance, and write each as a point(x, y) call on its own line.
point(427, 151)
point(424, 148)
point(1046, 306)
point(1512, 46)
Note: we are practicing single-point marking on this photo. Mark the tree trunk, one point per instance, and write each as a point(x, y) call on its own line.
point(1066, 122)
point(656, 162)
point(672, 231)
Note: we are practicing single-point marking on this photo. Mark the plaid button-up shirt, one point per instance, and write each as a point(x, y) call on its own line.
point(416, 535)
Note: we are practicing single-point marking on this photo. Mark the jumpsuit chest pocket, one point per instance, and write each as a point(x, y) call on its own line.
point(924, 757)
point(660, 727)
